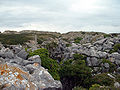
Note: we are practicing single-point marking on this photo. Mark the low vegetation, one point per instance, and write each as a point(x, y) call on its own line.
point(47, 62)
point(111, 65)
point(103, 80)
point(78, 39)
point(116, 47)
point(75, 72)
point(13, 39)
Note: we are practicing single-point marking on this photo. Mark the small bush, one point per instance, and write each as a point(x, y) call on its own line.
point(103, 80)
point(40, 40)
point(106, 61)
point(79, 88)
point(77, 40)
point(68, 45)
point(118, 78)
point(51, 45)
point(13, 39)
point(112, 66)
point(116, 47)
point(47, 62)
point(79, 57)
point(94, 87)
point(76, 73)
point(107, 35)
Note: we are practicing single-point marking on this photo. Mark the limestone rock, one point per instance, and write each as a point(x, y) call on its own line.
point(22, 54)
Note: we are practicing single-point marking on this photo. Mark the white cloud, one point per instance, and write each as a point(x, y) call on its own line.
point(85, 6)
point(60, 15)
point(54, 28)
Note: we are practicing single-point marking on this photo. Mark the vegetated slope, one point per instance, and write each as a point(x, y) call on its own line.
point(78, 59)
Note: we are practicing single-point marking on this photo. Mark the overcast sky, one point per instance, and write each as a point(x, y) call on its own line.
point(60, 15)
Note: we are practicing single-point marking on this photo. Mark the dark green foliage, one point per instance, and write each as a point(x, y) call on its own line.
point(79, 57)
point(83, 32)
point(98, 87)
point(112, 66)
point(107, 35)
point(51, 45)
point(79, 88)
point(68, 45)
point(13, 39)
point(103, 80)
point(40, 40)
point(106, 61)
point(77, 40)
point(47, 62)
point(76, 73)
point(95, 87)
point(116, 47)
point(118, 78)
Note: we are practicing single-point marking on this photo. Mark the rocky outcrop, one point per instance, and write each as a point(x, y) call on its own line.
point(95, 52)
point(17, 72)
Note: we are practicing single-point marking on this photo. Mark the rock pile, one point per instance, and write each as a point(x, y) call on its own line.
point(17, 72)
point(95, 52)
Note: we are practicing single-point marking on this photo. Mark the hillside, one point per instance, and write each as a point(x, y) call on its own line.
point(79, 60)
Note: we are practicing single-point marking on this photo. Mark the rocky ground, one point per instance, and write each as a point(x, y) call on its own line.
point(19, 73)
point(102, 53)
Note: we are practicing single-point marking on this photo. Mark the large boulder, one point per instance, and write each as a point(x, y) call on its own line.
point(6, 53)
point(35, 58)
point(43, 79)
point(92, 61)
point(29, 77)
point(22, 54)
point(14, 78)
point(100, 42)
point(16, 49)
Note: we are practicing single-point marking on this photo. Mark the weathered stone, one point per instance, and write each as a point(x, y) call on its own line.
point(12, 76)
point(16, 48)
point(9, 55)
point(106, 65)
point(43, 79)
point(117, 85)
point(94, 61)
point(100, 42)
point(88, 61)
point(6, 53)
point(102, 54)
point(22, 54)
point(116, 55)
point(35, 58)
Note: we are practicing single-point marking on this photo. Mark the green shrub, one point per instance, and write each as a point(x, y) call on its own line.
point(77, 40)
point(68, 45)
point(83, 32)
point(13, 39)
point(51, 45)
point(118, 78)
point(79, 57)
point(76, 72)
point(47, 62)
point(98, 87)
point(106, 61)
point(112, 66)
point(94, 87)
point(103, 80)
point(116, 47)
point(107, 35)
point(79, 88)
point(40, 40)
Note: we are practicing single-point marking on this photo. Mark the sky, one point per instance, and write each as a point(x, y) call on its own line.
point(60, 15)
